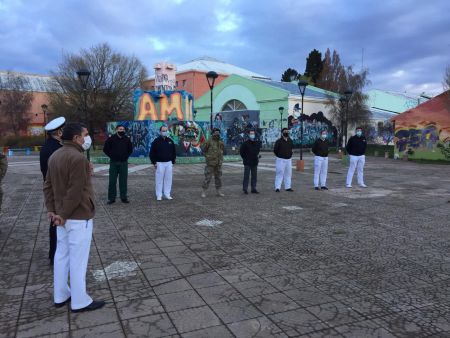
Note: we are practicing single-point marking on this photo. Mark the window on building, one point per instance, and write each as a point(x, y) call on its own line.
point(234, 105)
point(184, 83)
point(176, 83)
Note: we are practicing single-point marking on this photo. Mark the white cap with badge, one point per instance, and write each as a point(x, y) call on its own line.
point(55, 124)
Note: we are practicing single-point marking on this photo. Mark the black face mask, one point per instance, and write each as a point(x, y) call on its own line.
point(285, 134)
point(121, 133)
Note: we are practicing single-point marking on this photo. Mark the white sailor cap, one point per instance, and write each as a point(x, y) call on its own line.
point(55, 124)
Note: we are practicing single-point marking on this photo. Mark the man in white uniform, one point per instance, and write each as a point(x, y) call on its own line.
point(69, 198)
point(163, 156)
point(320, 149)
point(356, 149)
point(283, 151)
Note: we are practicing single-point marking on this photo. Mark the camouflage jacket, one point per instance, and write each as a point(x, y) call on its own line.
point(213, 152)
point(3, 166)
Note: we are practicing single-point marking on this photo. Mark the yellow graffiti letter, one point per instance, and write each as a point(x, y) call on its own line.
point(168, 108)
point(146, 108)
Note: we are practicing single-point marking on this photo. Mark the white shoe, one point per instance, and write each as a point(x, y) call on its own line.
point(348, 186)
point(203, 194)
point(363, 185)
point(219, 193)
point(158, 198)
point(168, 197)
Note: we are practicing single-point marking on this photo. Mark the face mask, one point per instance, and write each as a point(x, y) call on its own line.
point(216, 137)
point(251, 136)
point(358, 133)
point(87, 142)
point(164, 133)
point(323, 136)
point(285, 134)
point(121, 133)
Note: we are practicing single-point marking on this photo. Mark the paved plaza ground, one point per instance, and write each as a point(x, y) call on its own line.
point(342, 263)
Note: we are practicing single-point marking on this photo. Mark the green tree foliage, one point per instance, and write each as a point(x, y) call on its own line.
point(314, 66)
point(289, 75)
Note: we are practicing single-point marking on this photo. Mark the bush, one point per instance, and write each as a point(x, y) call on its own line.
point(381, 149)
point(22, 141)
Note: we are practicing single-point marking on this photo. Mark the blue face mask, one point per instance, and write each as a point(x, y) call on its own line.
point(164, 133)
point(359, 133)
point(323, 136)
point(251, 136)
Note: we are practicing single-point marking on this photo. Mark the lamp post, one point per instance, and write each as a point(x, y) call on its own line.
point(302, 87)
point(194, 114)
point(347, 95)
point(211, 78)
point(83, 77)
point(44, 111)
point(281, 110)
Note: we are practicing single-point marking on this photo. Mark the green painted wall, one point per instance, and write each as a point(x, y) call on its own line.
point(255, 96)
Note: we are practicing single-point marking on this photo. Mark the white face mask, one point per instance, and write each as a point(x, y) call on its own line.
point(87, 142)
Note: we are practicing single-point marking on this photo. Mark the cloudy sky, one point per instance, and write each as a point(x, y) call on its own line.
point(406, 43)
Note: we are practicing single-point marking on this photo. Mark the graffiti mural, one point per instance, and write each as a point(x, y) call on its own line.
point(187, 136)
point(169, 105)
point(234, 126)
point(270, 134)
point(312, 126)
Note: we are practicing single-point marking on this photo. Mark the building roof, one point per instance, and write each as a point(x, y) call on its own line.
point(206, 64)
point(394, 101)
point(379, 114)
point(292, 88)
point(33, 82)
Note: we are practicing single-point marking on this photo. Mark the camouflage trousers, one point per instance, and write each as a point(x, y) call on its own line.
point(1, 196)
point(209, 172)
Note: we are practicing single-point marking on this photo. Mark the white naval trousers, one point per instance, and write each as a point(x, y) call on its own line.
point(356, 162)
point(163, 179)
point(320, 171)
point(283, 173)
point(71, 257)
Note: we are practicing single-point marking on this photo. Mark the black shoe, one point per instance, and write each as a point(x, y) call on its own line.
point(125, 201)
point(277, 190)
point(111, 202)
point(255, 192)
point(324, 188)
point(290, 190)
point(57, 305)
point(316, 188)
point(96, 304)
point(246, 192)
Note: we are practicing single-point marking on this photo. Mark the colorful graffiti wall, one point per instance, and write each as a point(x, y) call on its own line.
point(424, 132)
point(234, 126)
point(187, 136)
point(170, 105)
point(312, 127)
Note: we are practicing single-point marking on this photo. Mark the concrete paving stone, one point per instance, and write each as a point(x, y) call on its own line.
point(308, 296)
point(366, 328)
point(39, 308)
point(206, 279)
point(153, 261)
point(194, 319)
point(404, 299)
point(253, 288)
point(370, 306)
point(181, 300)
point(53, 324)
point(194, 268)
point(111, 330)
point(219, 293)
point(287, 282)
point(8, 328)
point(105, 315)
point(236, 310)
point(335, 313)
point(149, 326)
point(273, 303)
point(161, 273)
point(235, 275)
point(38, 291)
point(297, 322)
point(260, 327)
point(210, 332)
point(172, 286)
point(341, 290)
point(138, 307)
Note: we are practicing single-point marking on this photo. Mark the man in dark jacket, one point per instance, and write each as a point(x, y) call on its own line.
point(250, 154)
point(69, 198)
point(320, 149)
point(283, 151)
point(356, 149)
point(163, 155)
point(54, 130)
point(118, 148)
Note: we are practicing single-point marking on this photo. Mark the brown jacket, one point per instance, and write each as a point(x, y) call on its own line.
point(68, 188)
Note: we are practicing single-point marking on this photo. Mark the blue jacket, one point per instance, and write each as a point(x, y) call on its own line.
point(163, 150)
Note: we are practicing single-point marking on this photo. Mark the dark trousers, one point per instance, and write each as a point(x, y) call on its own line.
point(253, 169)
point(52, 250)
point(118, 169)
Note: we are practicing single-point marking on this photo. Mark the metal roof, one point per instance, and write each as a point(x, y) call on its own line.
point(379, 114)
point(206, 64)
point(33, 82)
point(292, 88)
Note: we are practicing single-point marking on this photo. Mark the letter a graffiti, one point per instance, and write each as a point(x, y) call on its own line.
point(147, 109)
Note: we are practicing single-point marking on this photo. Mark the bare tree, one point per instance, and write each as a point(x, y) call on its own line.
point(339, 79)
point(446, 81)
point(113, 79)
point(15, 103)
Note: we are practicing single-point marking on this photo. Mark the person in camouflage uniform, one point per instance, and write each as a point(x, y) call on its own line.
point(3, 169)
point(213, 152)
